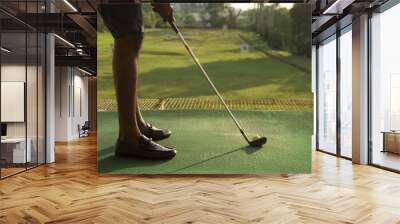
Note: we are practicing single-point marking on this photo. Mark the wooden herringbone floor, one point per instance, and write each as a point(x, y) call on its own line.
point(70, 191)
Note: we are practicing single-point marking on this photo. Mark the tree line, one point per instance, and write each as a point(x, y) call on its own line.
point(282, 28)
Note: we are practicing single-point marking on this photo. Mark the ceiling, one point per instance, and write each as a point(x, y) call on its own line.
point(331, 15)
point(74, 22)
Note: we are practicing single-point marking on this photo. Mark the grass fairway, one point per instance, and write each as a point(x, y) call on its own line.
point(166, 69)
point(209, 143)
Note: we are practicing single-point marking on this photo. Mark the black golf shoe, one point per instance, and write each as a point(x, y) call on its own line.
point(146, 149)
point(155, 133)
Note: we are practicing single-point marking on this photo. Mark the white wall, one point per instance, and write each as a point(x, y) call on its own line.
point(17, 73)
point(14, 73)
point(82, 83)
point(33, 126)
point(71, 87)
point(62, 81)
point(80, 97)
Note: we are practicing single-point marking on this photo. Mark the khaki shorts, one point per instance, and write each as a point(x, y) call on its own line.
point(122, 19)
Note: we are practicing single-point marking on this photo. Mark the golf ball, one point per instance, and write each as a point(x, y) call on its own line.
point(256, 137)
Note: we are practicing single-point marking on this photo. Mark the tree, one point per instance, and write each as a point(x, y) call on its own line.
point(215, 14)
point(150, 19)
point(301, 29)
point(232, 17)
point(282, 28)
point(189, 20)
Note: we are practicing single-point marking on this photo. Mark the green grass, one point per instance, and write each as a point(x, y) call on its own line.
point(208, 143)
point(166, 70)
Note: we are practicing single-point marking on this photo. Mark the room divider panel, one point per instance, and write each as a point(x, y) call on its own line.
point(385, 88)
point(22, 77)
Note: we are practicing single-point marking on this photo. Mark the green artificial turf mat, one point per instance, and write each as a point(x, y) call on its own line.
point(209, 143)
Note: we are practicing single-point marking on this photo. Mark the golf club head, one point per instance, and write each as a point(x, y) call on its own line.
point(258, 141)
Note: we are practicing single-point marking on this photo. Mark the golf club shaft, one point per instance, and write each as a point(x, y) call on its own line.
point(175, 28)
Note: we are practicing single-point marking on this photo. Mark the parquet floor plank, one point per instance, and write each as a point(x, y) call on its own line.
point(71, 191)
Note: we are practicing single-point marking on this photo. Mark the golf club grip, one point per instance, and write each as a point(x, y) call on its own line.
point(175, 27)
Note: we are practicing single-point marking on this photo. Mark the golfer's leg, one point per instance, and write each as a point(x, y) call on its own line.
point(139, 118)
point(149, 130)
point(126, 52)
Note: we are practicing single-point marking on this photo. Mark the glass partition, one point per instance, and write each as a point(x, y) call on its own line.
point(346, 93)
point(32, 98)
point(22, 92)
point(327, 95)
point(14, 151)
point(40, 7)
point(385, 89)
point(41, 97)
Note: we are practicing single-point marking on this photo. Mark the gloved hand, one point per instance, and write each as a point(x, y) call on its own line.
point(164, 10)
